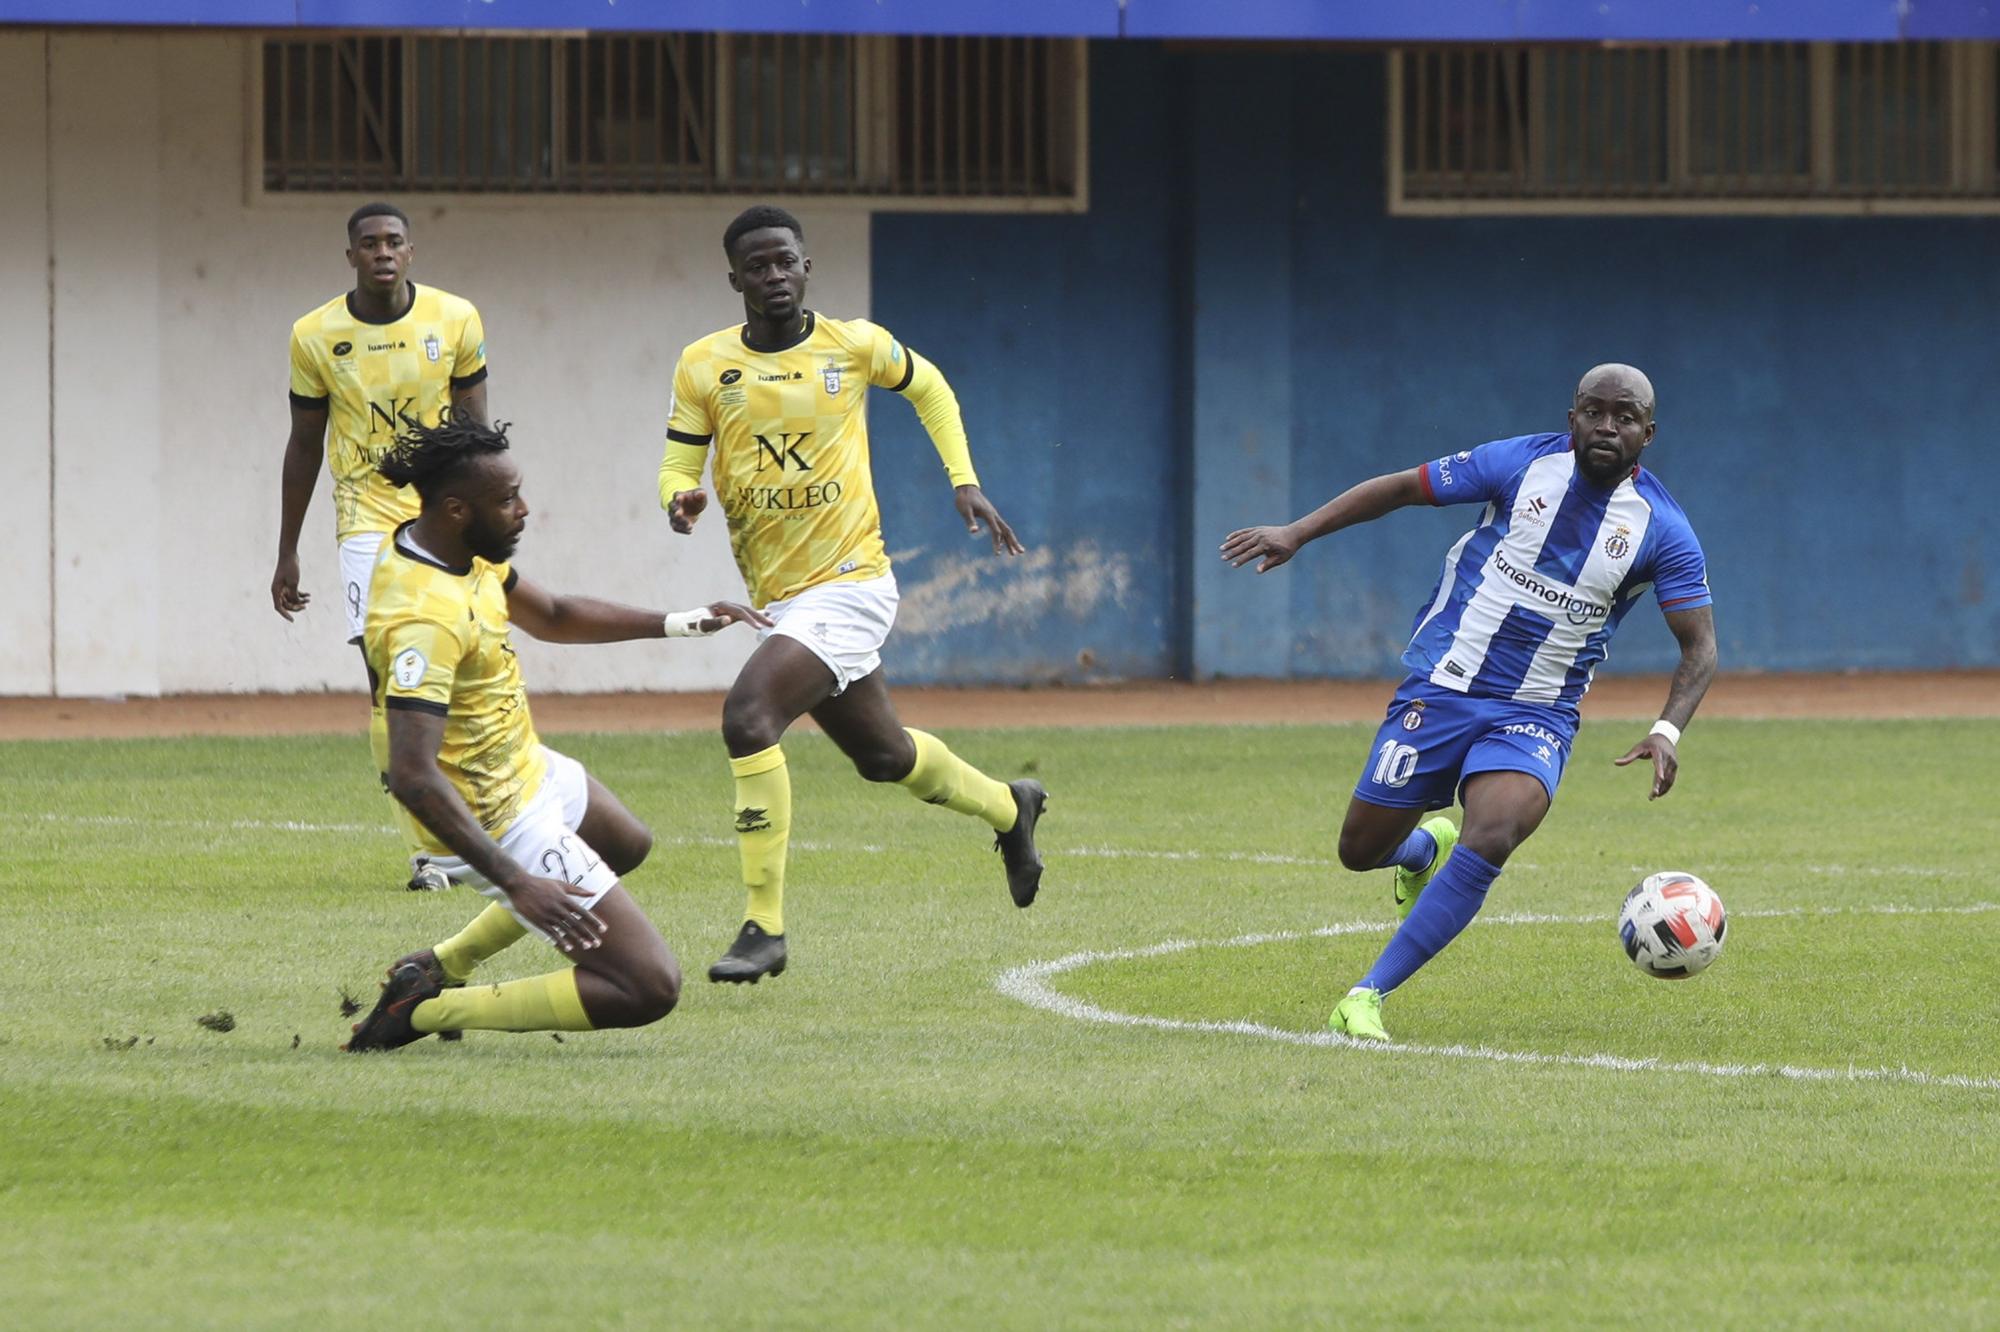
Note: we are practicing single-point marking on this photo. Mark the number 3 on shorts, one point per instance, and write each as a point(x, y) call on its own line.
point(1394, 764)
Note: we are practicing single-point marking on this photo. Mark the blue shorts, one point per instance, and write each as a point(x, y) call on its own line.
point(1433, 739)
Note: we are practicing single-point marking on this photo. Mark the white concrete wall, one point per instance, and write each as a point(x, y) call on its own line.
point(175, 288)
point(24, 365)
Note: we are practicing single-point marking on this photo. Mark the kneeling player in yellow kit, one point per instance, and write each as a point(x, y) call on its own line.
point(782, 398)
point(477, 791)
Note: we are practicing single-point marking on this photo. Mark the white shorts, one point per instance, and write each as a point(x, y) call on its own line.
point(357, 570)
point(544, 840)
point(844, 624)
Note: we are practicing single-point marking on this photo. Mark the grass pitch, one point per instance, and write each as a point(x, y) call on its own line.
point(882, 1138)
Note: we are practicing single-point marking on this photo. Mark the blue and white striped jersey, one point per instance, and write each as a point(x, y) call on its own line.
point(1529, 598)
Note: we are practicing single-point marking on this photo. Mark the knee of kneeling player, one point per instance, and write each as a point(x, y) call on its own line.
point(656, 991)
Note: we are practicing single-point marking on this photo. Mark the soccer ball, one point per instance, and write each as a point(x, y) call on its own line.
point(1672, 925)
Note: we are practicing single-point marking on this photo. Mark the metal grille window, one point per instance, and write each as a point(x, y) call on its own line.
point(972, 122)
point(1774, 126)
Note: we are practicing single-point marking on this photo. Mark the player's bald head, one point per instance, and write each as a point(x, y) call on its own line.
point(1613, 382)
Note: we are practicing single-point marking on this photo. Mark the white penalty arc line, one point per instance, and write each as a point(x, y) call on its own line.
point(1030, 984)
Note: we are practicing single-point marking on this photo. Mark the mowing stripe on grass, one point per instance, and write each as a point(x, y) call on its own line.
point(1030, 985)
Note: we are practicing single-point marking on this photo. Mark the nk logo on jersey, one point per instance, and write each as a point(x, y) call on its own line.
point(390, 418)
point(784, 451)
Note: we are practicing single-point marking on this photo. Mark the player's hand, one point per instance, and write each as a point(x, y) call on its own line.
point(727, 613)
point(975, 508)
point(1666, 762)
point(285, 594)
point(548, 905)
point(687, 507)
point(1274, 544)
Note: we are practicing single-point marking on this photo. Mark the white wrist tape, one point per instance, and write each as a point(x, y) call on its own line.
point(1668, 729)
point(687, 623)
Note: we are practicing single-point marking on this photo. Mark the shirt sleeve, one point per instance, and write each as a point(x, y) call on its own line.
point(1680, 571)
point(689, 430)
point(468, 366)
point(890, 363)
point(688, 421)
point(1477, 475)
point(422, 657)
point(308, 388)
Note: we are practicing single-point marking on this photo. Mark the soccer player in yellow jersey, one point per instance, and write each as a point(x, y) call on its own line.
point(779, 404)
point(477, 789)
point(387, 352)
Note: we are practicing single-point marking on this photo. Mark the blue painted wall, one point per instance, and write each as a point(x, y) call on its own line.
point(1822, 384)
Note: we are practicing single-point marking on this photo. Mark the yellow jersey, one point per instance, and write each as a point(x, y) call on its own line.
point(437, 641)
point(789, 429)
point(369, 377)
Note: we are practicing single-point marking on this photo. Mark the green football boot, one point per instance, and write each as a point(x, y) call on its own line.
point(1359, 1015)
point(1409, 883)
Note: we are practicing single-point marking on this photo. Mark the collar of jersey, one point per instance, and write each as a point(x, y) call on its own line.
point(398, 318)
point(396, 539)
point(744, 333)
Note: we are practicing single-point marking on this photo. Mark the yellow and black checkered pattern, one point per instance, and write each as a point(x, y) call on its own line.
point(369, 377)
point(790, 448)
point(438, 642)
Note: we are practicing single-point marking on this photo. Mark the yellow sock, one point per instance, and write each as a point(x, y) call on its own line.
point(763, 831)
point(943, 778)
point(490, 931)
point(537, 1003)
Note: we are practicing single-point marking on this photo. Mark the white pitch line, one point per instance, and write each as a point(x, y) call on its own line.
point(1030, 985)
point(1713, 871)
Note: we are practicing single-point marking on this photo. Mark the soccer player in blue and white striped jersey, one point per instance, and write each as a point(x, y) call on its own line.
point(1572, 533)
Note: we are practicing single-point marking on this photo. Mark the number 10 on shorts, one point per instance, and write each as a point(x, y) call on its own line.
point(1394, 764)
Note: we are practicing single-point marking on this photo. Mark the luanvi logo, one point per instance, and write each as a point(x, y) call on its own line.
point(731, 376)
point(750, 819)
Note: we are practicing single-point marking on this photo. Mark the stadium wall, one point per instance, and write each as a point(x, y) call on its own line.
point(1238, 330)
point(1234, 332)
point(160, 417)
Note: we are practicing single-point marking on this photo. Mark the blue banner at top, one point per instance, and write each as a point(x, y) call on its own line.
point(1266, 20)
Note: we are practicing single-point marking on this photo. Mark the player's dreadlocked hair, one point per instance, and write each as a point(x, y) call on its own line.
point(756, 218)
point(430, 457)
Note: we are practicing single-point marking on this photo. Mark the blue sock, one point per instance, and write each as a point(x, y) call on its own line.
point(1447, 906)
point(1414, 854)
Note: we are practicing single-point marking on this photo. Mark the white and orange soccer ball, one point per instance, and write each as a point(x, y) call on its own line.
point(1672, 925)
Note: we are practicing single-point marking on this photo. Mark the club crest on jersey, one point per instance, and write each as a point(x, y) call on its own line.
point(432, 347)
point(1618, 543)
point(830, 372)
point(1413, 719)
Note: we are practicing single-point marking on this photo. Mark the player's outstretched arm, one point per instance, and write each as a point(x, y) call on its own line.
point(1357, 504)
point(1694, 630)
point(415, 779)
point(303, 450)
point(571, 619)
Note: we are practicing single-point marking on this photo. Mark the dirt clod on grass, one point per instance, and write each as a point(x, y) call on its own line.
point(220, 1020)
point(349, 1005)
